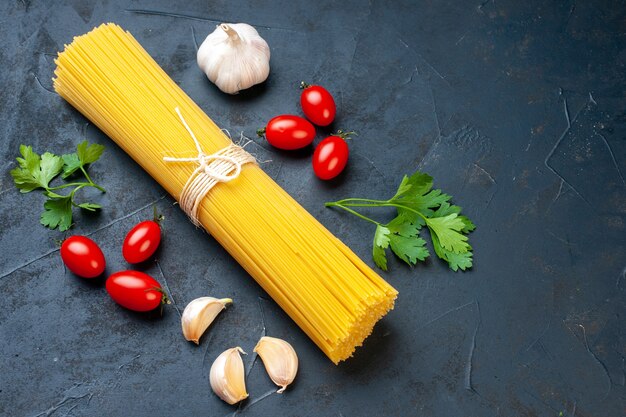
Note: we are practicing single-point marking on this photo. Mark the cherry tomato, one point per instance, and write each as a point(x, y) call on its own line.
point(82, 256)
point(317, 104)
point(135, 290)
point(141, 242)
point(288, 132)
point(331, 156)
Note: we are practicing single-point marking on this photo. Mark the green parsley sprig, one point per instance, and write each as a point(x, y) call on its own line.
point(418, 205)
point(35, 171)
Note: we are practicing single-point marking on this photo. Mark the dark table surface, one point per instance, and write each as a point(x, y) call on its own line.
point(516, 109)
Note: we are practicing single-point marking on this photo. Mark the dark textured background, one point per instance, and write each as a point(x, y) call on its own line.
point(517, 110)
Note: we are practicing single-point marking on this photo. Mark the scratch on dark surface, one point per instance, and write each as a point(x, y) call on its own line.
point(618, 281)
point(129, 362)
point(254, 355)
point(61, 403)
point(170, 14)
point(198, 18)
point(493, 180)
point(41, 85)
point(280, 169)
point(341, 99)
point(260, 145)
point(372, 164)
point(483, 4)
point(167, 287)
point(543, 332)
point(193, 35)
point(132, 213)
point(251, 403)
point(591, 99)
point(25, 264)
point(353, 56)
point(461, 38)
point(410, 79)
point(470, 356)
point(608, 147)
point(432, 98)
point(46, 55)
point(208, 345)
point(542, 401)
point(490, 200)
point(623, 372)
point(560, 239)
point(433, 69)
point(558, 142)
point(558, 194)
point(570, 13)
point(70, 410)
point(442, 315)
point(598, 361)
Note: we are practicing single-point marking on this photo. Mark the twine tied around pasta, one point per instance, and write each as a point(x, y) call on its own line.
point(221, 166)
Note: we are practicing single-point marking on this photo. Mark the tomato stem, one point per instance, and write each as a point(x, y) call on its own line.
point(164, 298)
point(260, 132)
point(345, 135)
point(304, 85)
point(157, 218)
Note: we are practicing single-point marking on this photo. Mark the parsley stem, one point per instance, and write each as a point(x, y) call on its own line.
point(93, 184)
point(349, 210)
point(70, 184)
point(373, 203)
point(364, 200)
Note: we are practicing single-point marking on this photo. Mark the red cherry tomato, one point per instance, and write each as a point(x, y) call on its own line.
point(288, 132)
point(135, 290)
point(82, 256)
point(317, 104)
point(331, 156)
point(141, 242)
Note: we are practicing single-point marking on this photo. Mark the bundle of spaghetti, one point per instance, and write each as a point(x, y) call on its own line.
point(333, 296)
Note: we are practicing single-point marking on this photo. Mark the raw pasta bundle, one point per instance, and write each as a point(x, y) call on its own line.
point(325, 288)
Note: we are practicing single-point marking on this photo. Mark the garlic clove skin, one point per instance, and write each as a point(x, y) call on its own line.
point(234, 57)
point(280, 360)
point(227, 376)
point(199, 314)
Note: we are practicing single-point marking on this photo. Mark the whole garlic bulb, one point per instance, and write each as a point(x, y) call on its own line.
point(234, 57)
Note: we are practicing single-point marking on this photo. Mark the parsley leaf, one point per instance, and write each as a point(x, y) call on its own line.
point(381, 242)
point(418, 205)
point(455, 261)
point(89, 153)
point(90, 206)
point(71, 164)
point(35, 171)
point(58, 212)
point(448, 232)
point(408, 249)
point(85, 154)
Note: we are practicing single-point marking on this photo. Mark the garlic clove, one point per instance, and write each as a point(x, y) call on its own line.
point(280, 360)
point(234, 57)
point(199, 314)
point(227, 376)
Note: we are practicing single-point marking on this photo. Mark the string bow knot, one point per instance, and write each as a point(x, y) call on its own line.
point(222, 166)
